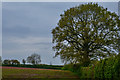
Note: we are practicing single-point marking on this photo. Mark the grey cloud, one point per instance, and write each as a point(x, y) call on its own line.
point(17, 31)
point(43, 43)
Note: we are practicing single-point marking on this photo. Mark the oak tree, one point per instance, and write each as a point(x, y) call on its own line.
point(86, 32)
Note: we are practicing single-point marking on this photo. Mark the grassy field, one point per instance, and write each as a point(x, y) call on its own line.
point(30, 74)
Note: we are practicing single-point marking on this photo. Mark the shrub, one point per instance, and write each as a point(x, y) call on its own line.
point(86, 72)
point(108, 68)
point(76, 68)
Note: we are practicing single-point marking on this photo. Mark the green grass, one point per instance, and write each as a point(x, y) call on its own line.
point(29, 73)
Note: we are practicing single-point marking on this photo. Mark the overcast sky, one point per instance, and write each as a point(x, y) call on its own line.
point(27, 28)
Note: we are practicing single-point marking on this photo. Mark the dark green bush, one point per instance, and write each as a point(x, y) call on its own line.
point(108, 68)
point(99, 69)
point(86, 72)
point(83, 72)
point(76, 68)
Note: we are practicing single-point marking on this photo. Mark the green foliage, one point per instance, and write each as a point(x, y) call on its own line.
point(6, 61)
point(86, 32)
point(82, 72)
point(15, 62)
point(9, 62)
point(76, 68)
point(68, 67)
point(86, 72)
point(108, 68)
point(99, 70)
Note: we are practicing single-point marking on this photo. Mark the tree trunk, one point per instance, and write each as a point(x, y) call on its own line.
point(86, 59)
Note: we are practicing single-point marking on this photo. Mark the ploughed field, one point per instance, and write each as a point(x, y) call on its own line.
point(35, 73)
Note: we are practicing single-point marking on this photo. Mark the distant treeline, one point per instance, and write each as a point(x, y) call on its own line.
point(33, 59)
point(42, 66)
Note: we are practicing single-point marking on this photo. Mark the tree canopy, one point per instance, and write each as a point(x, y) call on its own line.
point(15, 62)
point(6, 61)
point(9, 62)
point(34, 59)
point(86, 32)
